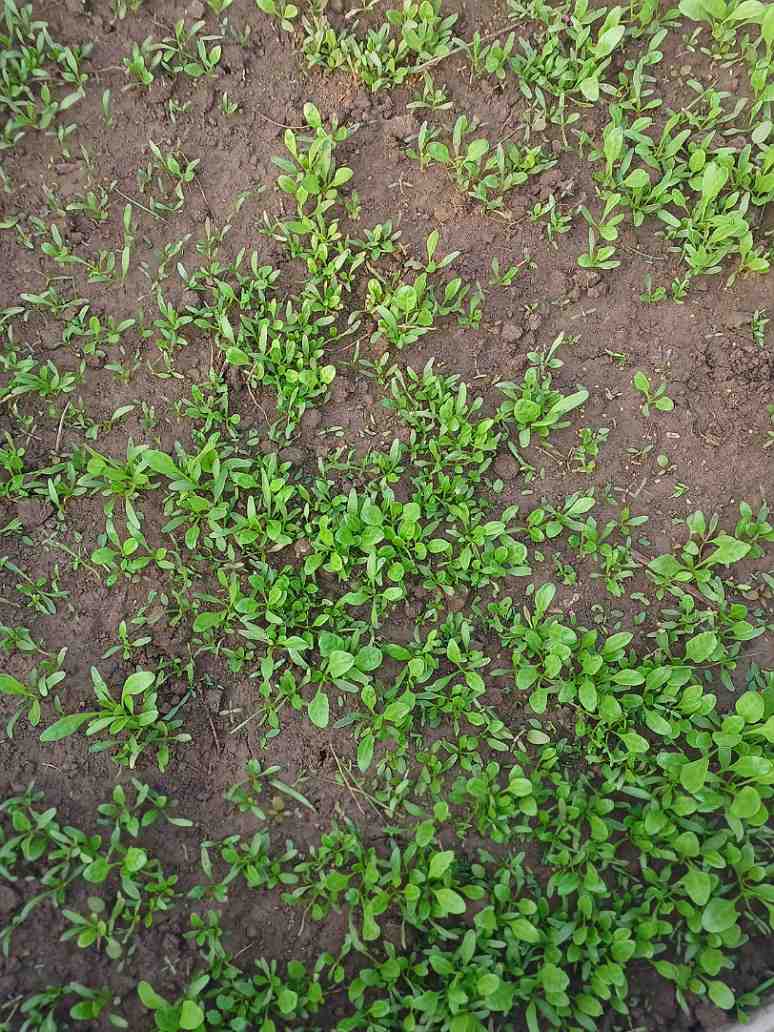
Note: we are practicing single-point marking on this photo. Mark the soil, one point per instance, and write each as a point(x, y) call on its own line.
point(720, 380)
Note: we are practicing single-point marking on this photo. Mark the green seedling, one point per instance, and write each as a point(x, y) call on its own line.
point(535, 406)
point(38, 685)
point(187, 1015)
point(653, 398)
point(132, 723)
point(285, 13)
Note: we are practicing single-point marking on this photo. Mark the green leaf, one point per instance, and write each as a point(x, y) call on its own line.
point(613, 143)
point(440, 863)
point(453, 652)
point(424, 833)
point(588, 696)
point(657, 724)
point(526, 412)
point(160, 462)
point(538, 700)
point(438, 152)
point(449, 901)
point(635, 743)
point(97, 871)
point(641, 382)
point(368, 658)
point(608, 41)
point(487, 984)
point(590, 89)
point(711, 960)
point(343, 175)
point(524, 930)
point(698, 885)
point(720, 995)
point(526, 677)
point(10, 686)
point(82, 1011)
point(64, 727)
point(287, 184)
point(718, 916)
point(191, 1015)
point(206, 621)
point(693, 9)
point(319, 710)
point(767, 26)
point(701, 647)
point(747, 803)
point(365, 753)
point(714, 178)
point(751, 706)
point(748, 10)
point(371, 514)
point(149, 997)
point(637, 179)
point(554, 980)
point(287, 1001)
point(138, 682)
point(686, 844)
point(544, 596)
point(237, 357)
point(441, 964)
point(694, 774)
point(135, 859)
point(339, 662)
point(729, 550)
point(476, 150)
point(617, 641)
point(589, 1005)
point(566, 404)
point(520, 787)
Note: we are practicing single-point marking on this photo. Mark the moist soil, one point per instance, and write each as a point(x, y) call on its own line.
point(720, 380)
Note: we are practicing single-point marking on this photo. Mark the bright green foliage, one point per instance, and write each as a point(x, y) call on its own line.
point(39, 78)
point(411, 34)
point(535, 406)
point(485, 173)
point(556, 790)
point(132, 723)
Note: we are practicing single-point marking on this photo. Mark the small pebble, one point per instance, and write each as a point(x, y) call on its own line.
point(506, 467)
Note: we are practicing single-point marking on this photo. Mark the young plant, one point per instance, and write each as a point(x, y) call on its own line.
point(535, 406)
point(132, 722)
point(653, 398)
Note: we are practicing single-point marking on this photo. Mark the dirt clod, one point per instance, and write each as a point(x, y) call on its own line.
point(8, 899)
point(511, 332)
point(310, 420)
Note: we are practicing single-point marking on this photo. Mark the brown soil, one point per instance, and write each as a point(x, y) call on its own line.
point(720, 382)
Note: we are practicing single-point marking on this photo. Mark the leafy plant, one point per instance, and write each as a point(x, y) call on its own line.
point(535, 406)
point(132, 723)
point(652, 398)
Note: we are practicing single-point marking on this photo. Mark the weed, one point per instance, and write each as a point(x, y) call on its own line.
point(653, 398)
point(535, 406)
point(132, 723)
point(547, 809)
point(484, 173)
